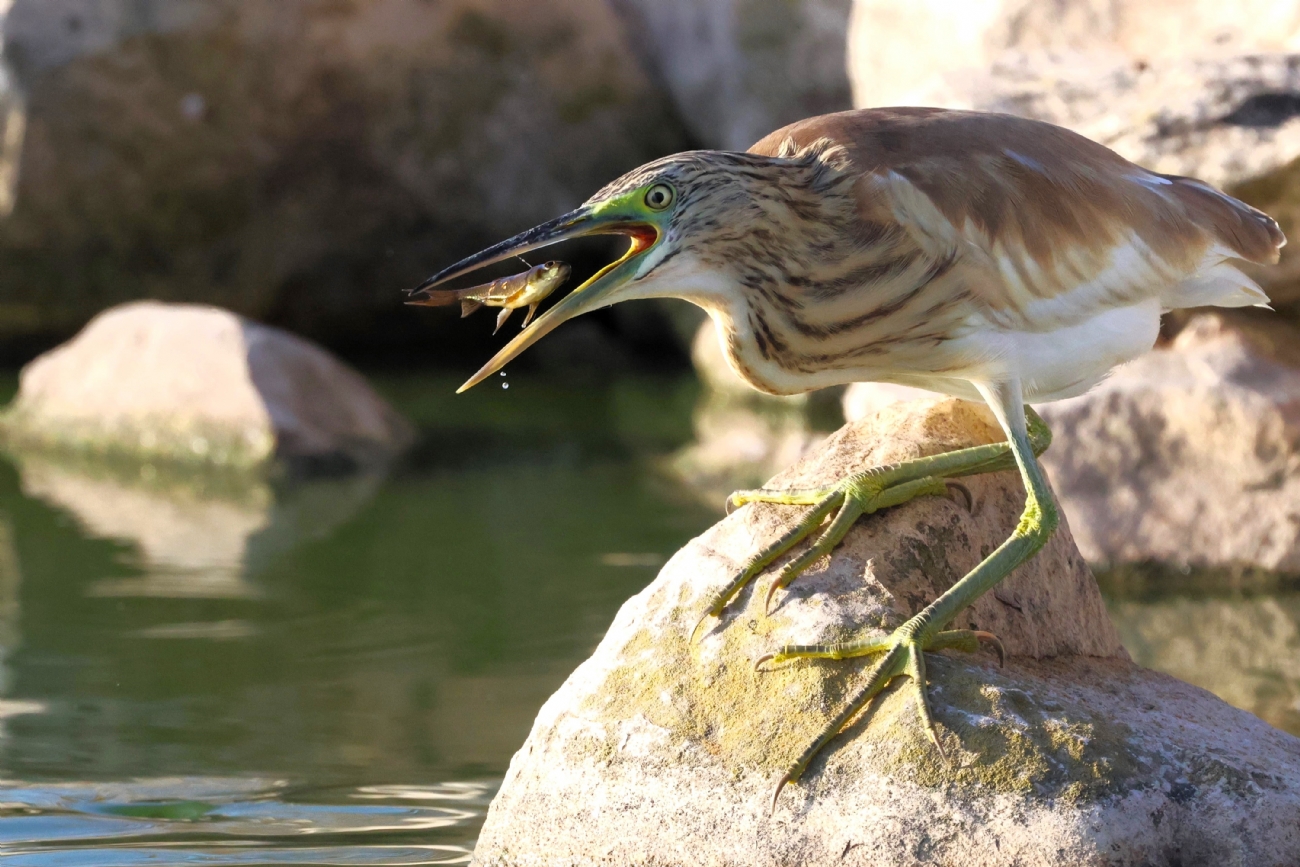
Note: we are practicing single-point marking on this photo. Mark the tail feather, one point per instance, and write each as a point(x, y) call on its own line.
point(1220, 285)
point(1248, 232)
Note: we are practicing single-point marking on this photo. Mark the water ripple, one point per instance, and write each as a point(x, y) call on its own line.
point(204, 820)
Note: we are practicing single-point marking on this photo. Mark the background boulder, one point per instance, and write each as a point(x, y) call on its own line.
point(738, 69)
point(199, 385)
point(300, 161)
point(1188, 455)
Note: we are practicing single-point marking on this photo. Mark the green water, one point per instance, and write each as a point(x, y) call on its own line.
point(195, 672)
point(332, 673)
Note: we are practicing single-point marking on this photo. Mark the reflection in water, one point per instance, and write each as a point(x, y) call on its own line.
point(188, 540)
point(1245, 649)
point(10, 637)
point(197, 820)
point(338, 665)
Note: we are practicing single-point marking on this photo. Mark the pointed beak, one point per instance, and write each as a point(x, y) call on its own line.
point(596, 292)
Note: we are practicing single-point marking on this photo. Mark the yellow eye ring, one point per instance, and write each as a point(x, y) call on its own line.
point(659, 197)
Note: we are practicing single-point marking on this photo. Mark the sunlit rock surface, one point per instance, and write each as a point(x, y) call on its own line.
point(201, 385)
point(302, 160)
point(658, 751)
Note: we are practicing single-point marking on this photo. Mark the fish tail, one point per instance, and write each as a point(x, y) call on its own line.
point(436, 298)
point(468, 306)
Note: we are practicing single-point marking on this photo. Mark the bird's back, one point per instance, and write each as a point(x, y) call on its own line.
point(1035, 198)
point(1032, 228)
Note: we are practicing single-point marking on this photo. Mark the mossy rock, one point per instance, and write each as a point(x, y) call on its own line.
point(660, 750)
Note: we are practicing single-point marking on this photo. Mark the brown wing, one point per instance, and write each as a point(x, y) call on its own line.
point(1043, 211)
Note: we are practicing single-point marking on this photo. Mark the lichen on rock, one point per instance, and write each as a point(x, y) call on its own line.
point(660, 750)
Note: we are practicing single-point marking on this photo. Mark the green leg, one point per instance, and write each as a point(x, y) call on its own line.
point(861, 494)
point(903, 651)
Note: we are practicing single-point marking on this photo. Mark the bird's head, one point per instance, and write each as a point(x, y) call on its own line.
point(686, 217)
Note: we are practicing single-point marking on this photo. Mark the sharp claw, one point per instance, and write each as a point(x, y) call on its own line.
point(767, 602)
point(938, 745)
point(780, 784)
point(767, 657)
point(958, 487)
point(698, 624)
point(990, 638)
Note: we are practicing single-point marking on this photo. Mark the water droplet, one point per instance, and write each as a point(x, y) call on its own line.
point(505, 385)
point(503, 373)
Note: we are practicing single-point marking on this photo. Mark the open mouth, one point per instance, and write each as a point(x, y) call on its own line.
point(600, 290)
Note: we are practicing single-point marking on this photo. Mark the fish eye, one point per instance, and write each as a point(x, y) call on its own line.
point(659, 197)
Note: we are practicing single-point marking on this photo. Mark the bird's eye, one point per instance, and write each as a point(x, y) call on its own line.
point(659, 197)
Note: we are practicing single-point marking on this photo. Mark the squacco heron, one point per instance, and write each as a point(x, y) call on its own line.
point(978, 255)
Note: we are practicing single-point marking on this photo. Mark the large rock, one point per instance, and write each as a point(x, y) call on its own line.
point(889, 66)
point(738, 69)
point(659, 751)
point(200, 385)
point(1187, 455)
point(302, 161)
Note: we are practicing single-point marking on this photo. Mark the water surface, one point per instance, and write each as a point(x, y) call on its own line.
point(203, 672)
point(196, 671)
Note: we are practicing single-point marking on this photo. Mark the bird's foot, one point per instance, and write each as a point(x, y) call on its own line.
point(903, 654)
point(862, 494)
point(859, 494)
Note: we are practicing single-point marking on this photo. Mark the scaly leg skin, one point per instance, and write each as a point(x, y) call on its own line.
point(862, 494)
point(904, 650)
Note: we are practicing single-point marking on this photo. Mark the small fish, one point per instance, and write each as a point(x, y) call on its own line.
point(527, 289)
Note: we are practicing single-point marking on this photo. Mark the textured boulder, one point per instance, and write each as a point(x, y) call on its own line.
point(888, 68)
point(658, 751)
point(301, 161)
point(738, 69)
point(200, 385)
point(1188, 455)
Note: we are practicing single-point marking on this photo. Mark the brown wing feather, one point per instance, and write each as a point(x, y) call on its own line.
point(1251, 233)
point(1050, 207)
